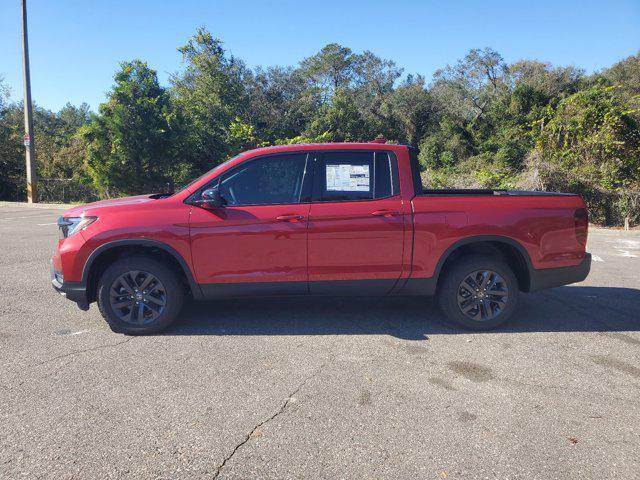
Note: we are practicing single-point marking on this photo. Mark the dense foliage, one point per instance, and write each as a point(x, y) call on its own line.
point(479, 123)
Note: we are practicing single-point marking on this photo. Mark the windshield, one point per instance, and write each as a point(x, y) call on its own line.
point(192, 182)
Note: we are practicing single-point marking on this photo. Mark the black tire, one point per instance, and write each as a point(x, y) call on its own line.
point(169, 290)
point(452, 293)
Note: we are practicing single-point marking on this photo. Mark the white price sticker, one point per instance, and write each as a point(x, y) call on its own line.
point(348, 178)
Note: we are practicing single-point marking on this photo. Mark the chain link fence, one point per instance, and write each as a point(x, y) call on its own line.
point(65, 190)
point(51, 190)
point(613, 209)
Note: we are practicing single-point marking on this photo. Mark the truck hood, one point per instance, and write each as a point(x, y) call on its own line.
point(95, 207)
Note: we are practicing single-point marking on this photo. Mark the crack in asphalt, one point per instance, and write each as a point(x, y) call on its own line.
point(77, 352)
point(281, 410)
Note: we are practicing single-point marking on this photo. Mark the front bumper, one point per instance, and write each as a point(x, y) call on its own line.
point(556, 277)
point(74, 291)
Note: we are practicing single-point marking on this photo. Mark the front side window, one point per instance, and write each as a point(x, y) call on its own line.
point(345, 176)
point(272, 180)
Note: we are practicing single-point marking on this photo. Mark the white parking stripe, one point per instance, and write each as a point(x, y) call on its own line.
point(78, 333)
point(625, 247)
point(596, 258)
point(43, 224)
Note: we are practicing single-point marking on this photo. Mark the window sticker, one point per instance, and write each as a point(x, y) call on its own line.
point(348, 178)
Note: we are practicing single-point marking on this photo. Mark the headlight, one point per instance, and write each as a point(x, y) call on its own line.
point(70, 225)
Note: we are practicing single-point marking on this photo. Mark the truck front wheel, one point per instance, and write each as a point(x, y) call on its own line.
point(478, 292)
point(139, 295)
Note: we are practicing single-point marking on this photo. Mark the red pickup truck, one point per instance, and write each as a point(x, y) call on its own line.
point(326, 219)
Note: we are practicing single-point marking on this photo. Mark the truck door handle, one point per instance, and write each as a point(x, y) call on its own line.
point(289, 217)
point(384, 213)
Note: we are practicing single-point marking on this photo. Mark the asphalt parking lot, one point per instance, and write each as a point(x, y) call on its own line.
point(325, 388)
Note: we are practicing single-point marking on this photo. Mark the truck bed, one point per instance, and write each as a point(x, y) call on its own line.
point(488, 192)
point(543, 223)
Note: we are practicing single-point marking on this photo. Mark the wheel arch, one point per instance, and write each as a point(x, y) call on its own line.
point(511, 250)
point(102, 256)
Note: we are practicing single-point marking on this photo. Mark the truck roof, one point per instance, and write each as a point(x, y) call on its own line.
point(324, 146)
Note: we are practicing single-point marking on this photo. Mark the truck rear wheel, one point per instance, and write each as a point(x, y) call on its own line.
point(138, 295)
point(478, 292)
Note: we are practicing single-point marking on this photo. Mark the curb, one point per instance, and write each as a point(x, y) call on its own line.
point(57, 206)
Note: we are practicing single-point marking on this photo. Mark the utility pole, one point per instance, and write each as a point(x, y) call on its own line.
point(30, 150)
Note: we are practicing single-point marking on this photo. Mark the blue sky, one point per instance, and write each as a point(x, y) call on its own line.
point(76, 45)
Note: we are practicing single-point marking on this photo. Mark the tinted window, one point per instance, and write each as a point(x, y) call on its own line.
point(265, 181)
point(356, 176)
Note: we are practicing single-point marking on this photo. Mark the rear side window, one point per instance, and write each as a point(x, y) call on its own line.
point(345, 176)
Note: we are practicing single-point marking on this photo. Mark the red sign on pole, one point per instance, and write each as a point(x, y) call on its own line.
point(26, 139)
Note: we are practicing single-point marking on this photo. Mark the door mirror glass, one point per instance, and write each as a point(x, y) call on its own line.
point(211, 198)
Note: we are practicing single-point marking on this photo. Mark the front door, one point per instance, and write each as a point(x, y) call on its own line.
point(356, 224)
point(256, 243)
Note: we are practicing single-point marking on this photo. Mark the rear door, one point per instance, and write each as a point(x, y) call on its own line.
point(257, 243)
point(356, 223)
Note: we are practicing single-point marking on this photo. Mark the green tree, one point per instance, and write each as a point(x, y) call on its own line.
point(60, 151)
point(372, 90)
point(129, 142)
point(552, 82)
point(464, 90)
point(209, 95)
point(590, 144)
point(488, 116)
point(330, 69)
point(341, 121)
point(281, 104)
point(626, 76)
point(12, 166)
point(352, 88)
point(413, 110)
point(593, 137)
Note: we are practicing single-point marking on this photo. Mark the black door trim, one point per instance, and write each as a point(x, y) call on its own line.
point(338, 288)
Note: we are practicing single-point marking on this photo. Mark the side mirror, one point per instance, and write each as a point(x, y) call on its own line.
point(211, 198)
